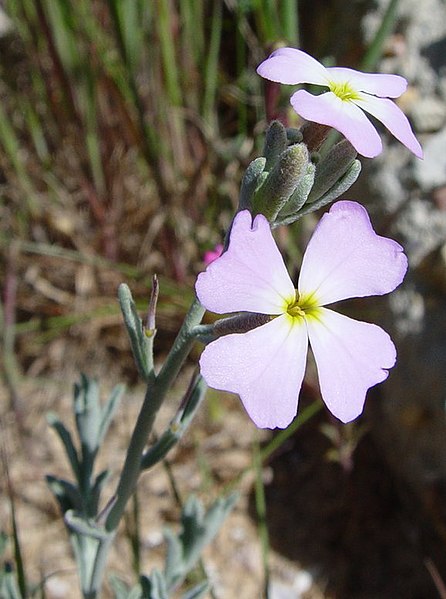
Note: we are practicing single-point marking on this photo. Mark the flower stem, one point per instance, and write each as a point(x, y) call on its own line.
point(157, 388)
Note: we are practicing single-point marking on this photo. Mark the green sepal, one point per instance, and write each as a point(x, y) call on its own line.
point(120, 589)
point(341, 186)
point(4, 539)
point(9, 586)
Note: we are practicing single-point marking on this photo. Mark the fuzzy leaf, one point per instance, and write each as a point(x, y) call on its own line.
point(66, 493)
point(142, 345)
point(67, 441)
point(87, 409)
point(109, 410)
point(84, 527)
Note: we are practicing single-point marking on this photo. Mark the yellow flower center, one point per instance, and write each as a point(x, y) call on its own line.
point(302, 307)
point(344, 91)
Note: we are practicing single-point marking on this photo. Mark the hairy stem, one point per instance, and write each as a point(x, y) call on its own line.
point(157, 389)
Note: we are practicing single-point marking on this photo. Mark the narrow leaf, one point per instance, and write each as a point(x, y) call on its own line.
point(65, 492)
point(67, 442)
point(109, 410)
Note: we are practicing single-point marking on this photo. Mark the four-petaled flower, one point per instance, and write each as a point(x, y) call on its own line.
point(345, 258)
point(349, 93)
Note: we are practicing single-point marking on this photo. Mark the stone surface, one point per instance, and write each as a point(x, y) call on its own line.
point(431, 172)
point(406, 200)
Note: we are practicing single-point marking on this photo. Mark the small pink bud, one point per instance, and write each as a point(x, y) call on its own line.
point(212, 255)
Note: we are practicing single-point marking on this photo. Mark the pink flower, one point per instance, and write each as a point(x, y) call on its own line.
point(350, 93)
point(345, 258)
point(212, 255)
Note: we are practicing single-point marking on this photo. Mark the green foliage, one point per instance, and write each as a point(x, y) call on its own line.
point(141, 340)
point(92, 422)
point(184, 548)
point(199, 527)
point(178, 425)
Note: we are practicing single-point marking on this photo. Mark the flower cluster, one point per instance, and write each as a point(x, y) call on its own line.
point(261, 354)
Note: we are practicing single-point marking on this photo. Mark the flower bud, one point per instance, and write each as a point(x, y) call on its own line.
point(251, 181)
point(241, 323)
point(300, 195)
point(331, 168)
point(281, 182)
point(276, 142)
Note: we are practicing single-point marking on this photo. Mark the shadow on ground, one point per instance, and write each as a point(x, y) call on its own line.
point(362, 534)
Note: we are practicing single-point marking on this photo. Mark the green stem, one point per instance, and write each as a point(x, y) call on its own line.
point(98, 572)
point(157, 388)
point(262, 525)
point(375, 50)
point(279, 439)
point(276, 442)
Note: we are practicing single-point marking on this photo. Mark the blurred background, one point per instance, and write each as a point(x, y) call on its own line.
point(125, 129)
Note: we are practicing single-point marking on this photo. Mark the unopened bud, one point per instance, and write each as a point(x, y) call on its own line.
point(331, 168)
point(252, 179)
point(314, 135)
point(276, 142)
point(240, 323)
point(300, 195)
point(281, 182)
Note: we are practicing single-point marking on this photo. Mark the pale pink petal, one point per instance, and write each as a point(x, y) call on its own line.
point(393, 118)
point(346, 117)
point(351, 357)
point(250, 276)
point(346, 258)
point(291, 66)
point(264, 366)
point(378, 84)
